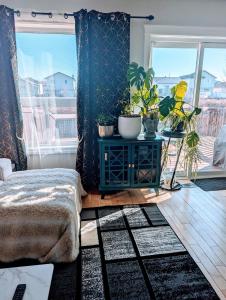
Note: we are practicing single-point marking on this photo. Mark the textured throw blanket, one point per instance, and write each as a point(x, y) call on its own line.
point(40, 215)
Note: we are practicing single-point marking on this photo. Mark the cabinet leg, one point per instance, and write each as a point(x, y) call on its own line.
point(156, 191)
point(102, 196)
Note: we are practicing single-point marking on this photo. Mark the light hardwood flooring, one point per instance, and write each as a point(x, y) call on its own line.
point(197, 217)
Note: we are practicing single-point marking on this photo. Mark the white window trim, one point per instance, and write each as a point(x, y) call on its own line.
point(174, 36)
point(40, 25)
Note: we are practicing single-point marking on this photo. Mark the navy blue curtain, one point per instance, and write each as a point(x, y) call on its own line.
point(11, 145)
point(103, 43)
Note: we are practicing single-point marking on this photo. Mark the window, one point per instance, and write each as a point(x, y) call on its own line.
point(199, 58)
point(212, 99)
point(169, 66)
point(47, 70)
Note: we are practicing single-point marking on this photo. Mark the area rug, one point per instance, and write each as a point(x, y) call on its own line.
point(131, 253)
point(211, 184)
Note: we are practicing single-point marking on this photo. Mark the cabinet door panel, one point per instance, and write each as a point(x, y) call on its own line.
point(116, 165)
point(145, 165)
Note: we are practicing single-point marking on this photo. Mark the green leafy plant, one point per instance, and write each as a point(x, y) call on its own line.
point(127, 107)
point(105, 120)
point(144, 94)
point(175, 111)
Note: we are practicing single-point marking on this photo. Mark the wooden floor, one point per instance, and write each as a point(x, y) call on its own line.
point(198, 218)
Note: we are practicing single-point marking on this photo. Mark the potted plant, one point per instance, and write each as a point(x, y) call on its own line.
point(182, 116)
point(129, 123)
point(105, 125)
point(145, 96)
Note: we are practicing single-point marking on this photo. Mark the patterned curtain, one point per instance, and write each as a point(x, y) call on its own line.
point(11, 145)
point(103, 42)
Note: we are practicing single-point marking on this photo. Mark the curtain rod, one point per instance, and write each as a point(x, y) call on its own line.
point(66, 15)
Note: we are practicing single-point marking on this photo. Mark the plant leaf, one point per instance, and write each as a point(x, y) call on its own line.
point(192, 139)
point(197, 111)
point(166, 105)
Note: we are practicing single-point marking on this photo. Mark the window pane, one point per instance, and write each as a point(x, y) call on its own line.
point(212, 101)
point(47, 85)
point(172, 65)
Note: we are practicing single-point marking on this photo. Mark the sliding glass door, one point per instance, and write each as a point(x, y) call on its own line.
point(203, 67)
point(212, 100)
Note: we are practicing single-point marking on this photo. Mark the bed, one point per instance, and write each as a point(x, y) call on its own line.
point(40, 215)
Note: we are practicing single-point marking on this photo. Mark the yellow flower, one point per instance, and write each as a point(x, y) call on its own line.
point(181, 89)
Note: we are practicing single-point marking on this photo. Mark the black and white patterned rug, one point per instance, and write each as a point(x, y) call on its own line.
point(131, 253)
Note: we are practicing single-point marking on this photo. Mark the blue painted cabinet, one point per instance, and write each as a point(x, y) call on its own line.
point(129, 163)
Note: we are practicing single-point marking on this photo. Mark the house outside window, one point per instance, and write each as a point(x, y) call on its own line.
point(47, 88)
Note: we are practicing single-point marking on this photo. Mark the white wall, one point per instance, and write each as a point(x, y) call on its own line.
point(166, 12)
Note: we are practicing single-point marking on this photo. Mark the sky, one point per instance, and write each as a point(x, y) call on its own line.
point(40, 55)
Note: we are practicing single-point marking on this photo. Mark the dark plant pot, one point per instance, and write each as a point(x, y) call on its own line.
point(179, 128)
point(150, 127)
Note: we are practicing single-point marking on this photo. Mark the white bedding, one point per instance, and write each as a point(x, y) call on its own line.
point(40, 215)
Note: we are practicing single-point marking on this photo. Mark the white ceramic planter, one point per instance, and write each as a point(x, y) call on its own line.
point(129, 127)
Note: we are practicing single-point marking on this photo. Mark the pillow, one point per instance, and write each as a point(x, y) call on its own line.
point(5, 168)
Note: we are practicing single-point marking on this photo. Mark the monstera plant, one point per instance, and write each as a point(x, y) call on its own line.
point(144, 95)
point(181, 116)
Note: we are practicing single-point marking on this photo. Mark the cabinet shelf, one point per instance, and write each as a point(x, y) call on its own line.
point(129, 163)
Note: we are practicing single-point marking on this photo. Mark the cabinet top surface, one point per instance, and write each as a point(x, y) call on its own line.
point(140, 138)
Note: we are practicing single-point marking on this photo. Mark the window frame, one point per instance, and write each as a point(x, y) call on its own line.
point(184, 37)
point(39, 25)
point(196, 37)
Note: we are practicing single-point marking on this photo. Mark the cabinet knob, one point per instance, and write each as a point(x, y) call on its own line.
point(133, 166)
point(129, 165)
point(105, 156)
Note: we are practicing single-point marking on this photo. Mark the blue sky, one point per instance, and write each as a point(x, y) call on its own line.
point(176, 62)
point(40, 55)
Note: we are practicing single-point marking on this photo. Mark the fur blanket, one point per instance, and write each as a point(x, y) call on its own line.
point(40, 215)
